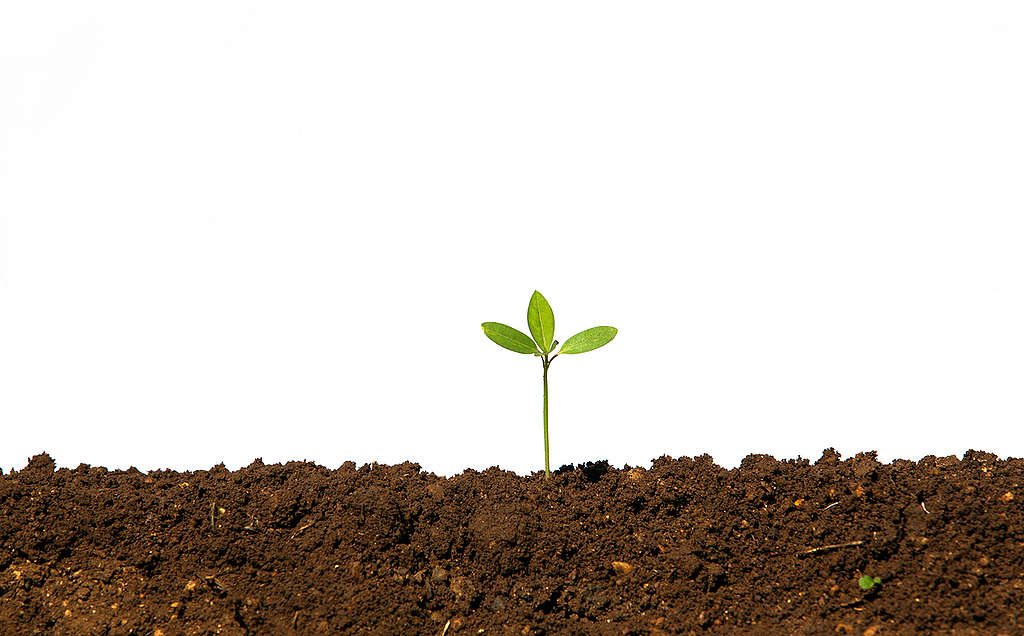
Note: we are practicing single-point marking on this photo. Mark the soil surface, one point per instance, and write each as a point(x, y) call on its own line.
point(773, 547)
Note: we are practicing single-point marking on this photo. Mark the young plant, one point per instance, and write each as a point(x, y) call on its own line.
point(541, 321)
point(867, 583)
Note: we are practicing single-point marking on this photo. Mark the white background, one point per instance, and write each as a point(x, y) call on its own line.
point(236, 229)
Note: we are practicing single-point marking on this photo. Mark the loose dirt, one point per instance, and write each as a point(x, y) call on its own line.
point(772, 547)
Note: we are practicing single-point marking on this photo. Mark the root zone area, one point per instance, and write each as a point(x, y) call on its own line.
point(682, 547)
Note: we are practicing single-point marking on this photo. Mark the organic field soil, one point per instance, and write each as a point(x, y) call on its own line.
point(772, 547)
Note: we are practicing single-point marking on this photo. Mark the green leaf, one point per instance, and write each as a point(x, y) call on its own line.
point(589, 340)
point(541, 320)
point(509, 337)
point(867, 582)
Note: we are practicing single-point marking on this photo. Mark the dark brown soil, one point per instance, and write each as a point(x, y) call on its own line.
point(686, 546)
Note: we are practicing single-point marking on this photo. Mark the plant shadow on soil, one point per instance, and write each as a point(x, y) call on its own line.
point(683, 547)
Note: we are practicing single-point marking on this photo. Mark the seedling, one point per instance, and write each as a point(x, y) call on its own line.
point(541, 321)
point(867, 583)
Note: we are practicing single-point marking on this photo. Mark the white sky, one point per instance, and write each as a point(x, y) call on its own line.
point(240, 229)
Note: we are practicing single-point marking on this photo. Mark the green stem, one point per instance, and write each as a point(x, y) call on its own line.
point(547, 460)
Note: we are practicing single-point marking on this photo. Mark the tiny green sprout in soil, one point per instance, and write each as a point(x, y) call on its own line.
point(867, 582)
point(541, 321)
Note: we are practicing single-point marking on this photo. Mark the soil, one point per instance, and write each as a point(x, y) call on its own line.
point(682, 547)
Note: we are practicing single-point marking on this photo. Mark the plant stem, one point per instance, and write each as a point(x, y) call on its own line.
point(547, 461)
